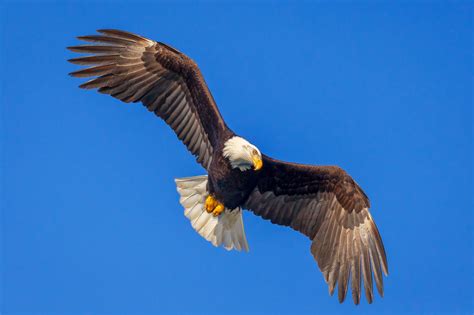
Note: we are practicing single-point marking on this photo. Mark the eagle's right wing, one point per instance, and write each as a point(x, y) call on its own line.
point(327, 205)
point(135, 69)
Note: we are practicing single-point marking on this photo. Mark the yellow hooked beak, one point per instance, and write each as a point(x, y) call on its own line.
point(257, 162)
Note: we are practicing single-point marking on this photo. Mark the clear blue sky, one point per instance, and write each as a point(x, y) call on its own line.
point(91, 222)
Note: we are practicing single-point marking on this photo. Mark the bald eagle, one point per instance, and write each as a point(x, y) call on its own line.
point(322, 202)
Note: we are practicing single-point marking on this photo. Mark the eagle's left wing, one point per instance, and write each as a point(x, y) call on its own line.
point(327, 205)
point(133, 68)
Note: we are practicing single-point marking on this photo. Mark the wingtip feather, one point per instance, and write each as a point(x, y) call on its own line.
point(124, 34)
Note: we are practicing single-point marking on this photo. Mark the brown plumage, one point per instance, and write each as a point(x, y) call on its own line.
point(133, 68)
point(322, 202)
point(327, 205)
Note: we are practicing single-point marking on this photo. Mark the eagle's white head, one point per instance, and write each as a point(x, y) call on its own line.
point(242, 154)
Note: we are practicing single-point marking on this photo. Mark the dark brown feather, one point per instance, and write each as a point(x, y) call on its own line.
point(106, 39)
point(125, 35)
point(97, 49)
point(94, 60)
point(94, 71)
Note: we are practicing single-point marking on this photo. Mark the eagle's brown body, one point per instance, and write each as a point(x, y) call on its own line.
point(229, 185)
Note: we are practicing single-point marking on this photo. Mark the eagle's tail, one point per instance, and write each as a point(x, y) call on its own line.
point(227, 229)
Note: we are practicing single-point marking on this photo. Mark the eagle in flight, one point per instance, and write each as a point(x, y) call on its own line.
point(322, 202)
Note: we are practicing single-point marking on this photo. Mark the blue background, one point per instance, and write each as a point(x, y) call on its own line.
point(91, 222)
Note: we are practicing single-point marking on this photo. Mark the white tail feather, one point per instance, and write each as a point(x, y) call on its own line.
point(227, 229)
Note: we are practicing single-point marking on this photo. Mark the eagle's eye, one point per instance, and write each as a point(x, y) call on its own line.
point(254, 152)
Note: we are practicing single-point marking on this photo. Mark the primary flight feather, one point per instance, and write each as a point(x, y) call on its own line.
point(322, 202)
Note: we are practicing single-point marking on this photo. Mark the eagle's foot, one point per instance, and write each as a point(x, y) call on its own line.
point(210, 204)
point(213, 206)
point(218, 210)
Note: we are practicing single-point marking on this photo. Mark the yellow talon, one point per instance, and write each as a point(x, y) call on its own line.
point(210, 204)
point(218, 210)
point(213, 206)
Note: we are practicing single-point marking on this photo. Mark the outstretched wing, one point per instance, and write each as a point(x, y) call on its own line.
point(135, 69)
point(327, 205)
